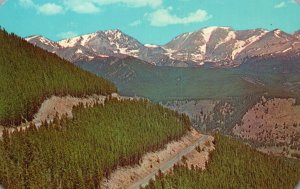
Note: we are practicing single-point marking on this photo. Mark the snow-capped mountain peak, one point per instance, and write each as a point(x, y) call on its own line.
point(222, 46)
point(113, 32)
point(207, 32)
point(82, 40)
point(40, 40)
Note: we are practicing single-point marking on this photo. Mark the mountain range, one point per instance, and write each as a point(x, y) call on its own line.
point(216, 46)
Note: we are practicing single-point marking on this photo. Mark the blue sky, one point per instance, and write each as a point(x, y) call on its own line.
point(149, 21)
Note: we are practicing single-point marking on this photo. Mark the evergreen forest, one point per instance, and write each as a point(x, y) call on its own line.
point(79, 153)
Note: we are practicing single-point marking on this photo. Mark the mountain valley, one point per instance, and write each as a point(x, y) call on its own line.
point(217, 64)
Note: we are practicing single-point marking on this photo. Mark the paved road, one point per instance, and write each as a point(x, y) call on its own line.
point(168, 165)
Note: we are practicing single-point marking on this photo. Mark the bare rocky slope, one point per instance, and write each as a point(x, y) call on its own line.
point(274, 125)
point(271, 125)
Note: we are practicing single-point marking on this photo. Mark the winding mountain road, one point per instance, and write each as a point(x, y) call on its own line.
point(168, 165)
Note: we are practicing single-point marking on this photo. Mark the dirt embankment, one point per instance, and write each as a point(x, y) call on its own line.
point(274, 125)
point(126, 177)
point(200, 156)
point(57, 106)
point(63, 106)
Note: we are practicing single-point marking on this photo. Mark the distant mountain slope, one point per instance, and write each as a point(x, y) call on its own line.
point(220, 46)
point(28, 75)
point(135, 77)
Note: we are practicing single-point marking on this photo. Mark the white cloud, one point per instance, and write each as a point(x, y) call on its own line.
point(280, 5)
point(131, 3)
point(93, 6)
point(50, 9)
point(135, 23)
point(163, 17)
point(66, 35)
point(86, 7)
point(47, 8)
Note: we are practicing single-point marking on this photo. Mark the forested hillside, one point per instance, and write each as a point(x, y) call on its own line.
point(234, 165)
point(28, 75)
point(79, 153)
point(271, 77)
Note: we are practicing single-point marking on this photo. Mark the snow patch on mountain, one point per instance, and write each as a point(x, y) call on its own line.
point(239, 46)
point(169, 52)
point(79, 51)
point(206, 32)
point(82, 40)
point(197, 58)
point(86, 38)
point(286, 50)
point(231, 35)
point(46, 41)
point(32, 37)
point(151, 46)
point(277, 33)
point(102, 56)
point(116, 33)
point(68, 42)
